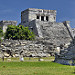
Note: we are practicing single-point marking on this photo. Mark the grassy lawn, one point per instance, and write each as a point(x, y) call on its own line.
point(35, 68)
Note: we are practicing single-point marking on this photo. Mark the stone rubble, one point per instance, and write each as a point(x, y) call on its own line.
point(67, 55)
point(23, 47)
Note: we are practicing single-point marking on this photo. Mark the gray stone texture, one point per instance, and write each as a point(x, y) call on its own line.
point(53, 35)
point(49, 34)
point(47, 27)
point(32, 13)
point(67, 55)
point(23, 47)
point(73, 29)
point(5, 23)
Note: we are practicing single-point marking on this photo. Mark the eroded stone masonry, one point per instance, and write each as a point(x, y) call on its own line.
point(43, 24)
point(5, 23)
point(66, 56)
point(22, 47)
point(48, 32)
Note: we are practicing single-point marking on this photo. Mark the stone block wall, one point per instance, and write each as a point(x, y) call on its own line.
point(5, 23)
point(40, 14)
point(53, 32)
point(56, 33)
point(23, 47)
point(43, 24)
point(45, 18)
point(67, 55)
point(73, 31)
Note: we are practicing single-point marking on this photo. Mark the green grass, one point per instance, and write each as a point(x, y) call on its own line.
point(35, 68)
point(28, 59)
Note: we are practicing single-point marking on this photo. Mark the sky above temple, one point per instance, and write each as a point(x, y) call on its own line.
point(11, 9)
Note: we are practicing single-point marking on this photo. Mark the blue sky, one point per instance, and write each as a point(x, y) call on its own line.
point(11, 9)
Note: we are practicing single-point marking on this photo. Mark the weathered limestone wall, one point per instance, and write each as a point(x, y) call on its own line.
point(53, 32)
point(73, 31)
point(69, 29)
point(34, 27)
point(25, 48)
point(67, 55)
point(24, 16)
point(43, 24)
point(32, 13)
point(5, 23)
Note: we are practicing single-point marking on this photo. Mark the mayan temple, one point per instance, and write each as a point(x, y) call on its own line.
point(51, 37)
point(43, 24)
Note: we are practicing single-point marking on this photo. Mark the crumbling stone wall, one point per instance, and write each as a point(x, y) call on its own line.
point(53, 32)
point(66, 56)
point(43, 24)
point(40, 14)
point(56, 33)
point(73, 31)
point(23, 47)
point(5, 23)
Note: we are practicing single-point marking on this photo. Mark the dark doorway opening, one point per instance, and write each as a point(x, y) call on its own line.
point(47, 18)
point(42, 18)
point(37, 17)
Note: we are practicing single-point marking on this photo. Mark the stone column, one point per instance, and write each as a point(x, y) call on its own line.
point(44, 18)
point(40, 18)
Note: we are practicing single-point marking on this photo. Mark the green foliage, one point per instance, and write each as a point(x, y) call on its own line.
point(1, 32)
point(19, 33)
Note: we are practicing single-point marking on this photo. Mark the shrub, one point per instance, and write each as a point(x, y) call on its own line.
point(19, 33)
